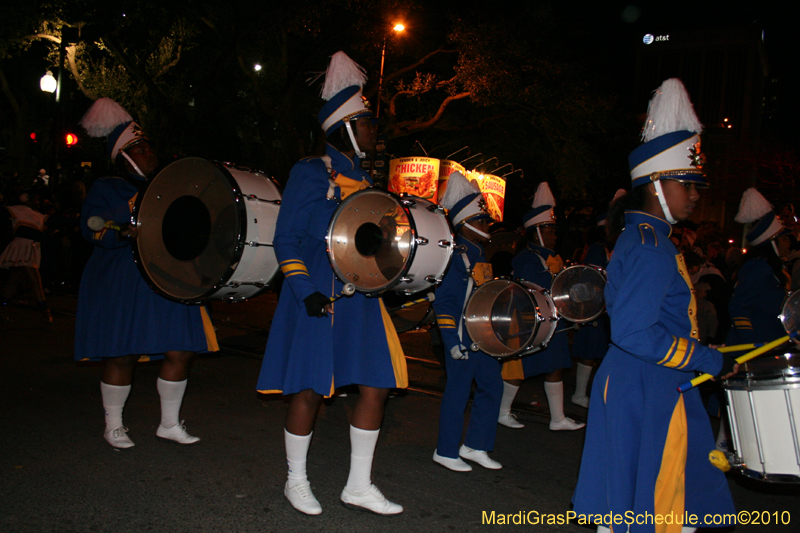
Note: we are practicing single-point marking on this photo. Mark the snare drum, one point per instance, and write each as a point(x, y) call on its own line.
point(764, 414)
point(577, 292)
point(206, 230)
point(506, 318)
point(379, 241)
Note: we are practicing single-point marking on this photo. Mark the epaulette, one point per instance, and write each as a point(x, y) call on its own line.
point(648, 234)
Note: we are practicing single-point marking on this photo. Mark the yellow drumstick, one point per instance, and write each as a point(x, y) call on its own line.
point(740, 347)
point(741, 359)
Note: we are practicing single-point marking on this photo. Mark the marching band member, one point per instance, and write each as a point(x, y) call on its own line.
point(316, 346)
point(538, 263)
point(591, 340)
point(649, 448)
point(762, 283)
point(467, 272)
point(119, 317)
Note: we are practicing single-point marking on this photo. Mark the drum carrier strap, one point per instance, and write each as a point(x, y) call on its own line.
point(467, 295)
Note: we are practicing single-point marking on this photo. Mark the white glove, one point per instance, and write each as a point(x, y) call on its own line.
point(459, 351)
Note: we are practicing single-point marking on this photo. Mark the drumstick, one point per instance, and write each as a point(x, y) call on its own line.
point(740, 347)
point(96, 223)
point(741, 359)
point(347, 290)
point(428, 298)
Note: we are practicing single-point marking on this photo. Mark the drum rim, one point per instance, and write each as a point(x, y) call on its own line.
point(597, 269)
point(238, 250)
point(412, 247)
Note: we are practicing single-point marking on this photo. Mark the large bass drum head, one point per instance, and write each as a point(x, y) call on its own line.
point(577, 293)
point(371, 240)
point(189, 223)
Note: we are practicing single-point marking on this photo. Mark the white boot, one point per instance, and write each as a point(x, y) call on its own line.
point(360, 493)
point(584, 372)
point(171, 428)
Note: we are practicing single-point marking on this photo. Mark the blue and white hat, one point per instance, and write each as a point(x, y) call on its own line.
point(107, 118)
point(464, 201)
point(756, 212)
point(671, 136)
point(342, 91)
point(542, 213)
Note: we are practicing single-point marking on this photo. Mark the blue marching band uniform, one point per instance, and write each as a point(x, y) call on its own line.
point(538, 264)
point(630, 460)
point(349, 346)
point(449, 306)
point(118, 313)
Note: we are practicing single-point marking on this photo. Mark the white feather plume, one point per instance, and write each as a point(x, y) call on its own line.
point(752, 207)
point(104, 115)
point(458, 188)
point(543, 196)
point(670, 110)
point(342, 73)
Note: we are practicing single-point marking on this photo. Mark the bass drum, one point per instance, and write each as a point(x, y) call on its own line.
point(379, 241)
point(577, 292)
point(506, 318)
point(205, 231)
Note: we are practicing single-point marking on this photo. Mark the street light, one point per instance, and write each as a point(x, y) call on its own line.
point(398, 28)
point(48, 83)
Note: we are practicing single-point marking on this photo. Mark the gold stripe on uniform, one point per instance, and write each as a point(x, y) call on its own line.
point(292, 267)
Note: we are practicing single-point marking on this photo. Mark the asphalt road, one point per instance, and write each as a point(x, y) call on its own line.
point(58, 474)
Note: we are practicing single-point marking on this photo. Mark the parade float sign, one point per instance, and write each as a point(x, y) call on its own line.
point(417, 176)
point(494, 192)
point(447, 167)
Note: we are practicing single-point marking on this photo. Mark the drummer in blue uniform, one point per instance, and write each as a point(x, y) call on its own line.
point(316, 345)
point(649, 448)
point(762, 282)
point(119, 318)
point(538, 263)
point(468, 270)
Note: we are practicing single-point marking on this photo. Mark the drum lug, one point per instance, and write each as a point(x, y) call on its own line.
point(421, 240)
point(444, 243)
point(408, 202)
point(405, 279)
point(432, 279)
point(433, 208)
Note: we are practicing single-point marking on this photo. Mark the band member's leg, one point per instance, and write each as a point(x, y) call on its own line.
point(115, 387)
point(171, 385)
point(300, 420)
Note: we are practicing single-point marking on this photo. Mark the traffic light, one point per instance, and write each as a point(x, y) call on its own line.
point(33, 136)
point(71, 139)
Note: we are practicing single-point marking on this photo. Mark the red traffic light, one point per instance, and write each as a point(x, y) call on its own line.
point(33, 136)
point(71, 139)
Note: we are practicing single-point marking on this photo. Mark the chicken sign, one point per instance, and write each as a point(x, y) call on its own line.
point(416, 176)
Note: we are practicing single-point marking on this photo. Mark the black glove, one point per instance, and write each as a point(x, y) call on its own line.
point(727, 365)
point(315, 304)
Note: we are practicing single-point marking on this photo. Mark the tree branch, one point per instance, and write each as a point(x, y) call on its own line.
point(404, 128)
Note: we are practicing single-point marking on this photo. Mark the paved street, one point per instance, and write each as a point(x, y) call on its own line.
point(58, 474)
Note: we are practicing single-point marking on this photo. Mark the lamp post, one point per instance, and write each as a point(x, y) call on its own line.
point(398, 28)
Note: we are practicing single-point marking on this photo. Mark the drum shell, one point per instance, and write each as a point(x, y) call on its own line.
point(232, 258)
point(564, 291)
point(764, 417)
point(507, 318)
point(414, 257)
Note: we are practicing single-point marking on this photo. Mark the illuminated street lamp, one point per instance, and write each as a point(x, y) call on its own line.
point(48, 83)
